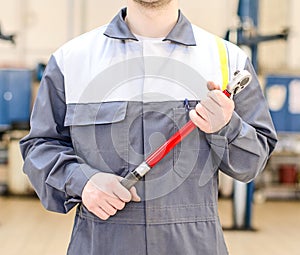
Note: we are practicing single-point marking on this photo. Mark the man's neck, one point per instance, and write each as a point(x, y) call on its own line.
point(151, 22)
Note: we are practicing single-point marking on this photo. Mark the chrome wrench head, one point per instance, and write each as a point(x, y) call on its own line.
point(240, 81)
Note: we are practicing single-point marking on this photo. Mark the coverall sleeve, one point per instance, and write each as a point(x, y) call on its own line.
point(57, 174)
point(245, 144)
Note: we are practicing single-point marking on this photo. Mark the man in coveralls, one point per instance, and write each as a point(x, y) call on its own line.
point(113, 95)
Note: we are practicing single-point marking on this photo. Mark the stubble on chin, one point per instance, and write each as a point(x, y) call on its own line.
point(153, 4)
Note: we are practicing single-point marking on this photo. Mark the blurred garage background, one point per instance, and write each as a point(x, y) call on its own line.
point(264, 220)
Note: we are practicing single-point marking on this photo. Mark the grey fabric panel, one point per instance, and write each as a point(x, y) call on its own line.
point(56, 172)
point(101, 113)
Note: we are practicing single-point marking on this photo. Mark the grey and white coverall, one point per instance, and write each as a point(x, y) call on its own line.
point(106, 100)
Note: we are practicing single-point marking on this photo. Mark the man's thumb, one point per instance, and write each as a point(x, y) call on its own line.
point(134, 196)
point(212, 86)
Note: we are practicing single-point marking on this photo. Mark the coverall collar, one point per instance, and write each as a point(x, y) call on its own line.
point(182, 33)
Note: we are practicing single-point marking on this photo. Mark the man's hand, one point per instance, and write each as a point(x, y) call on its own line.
point(104, 195)
point(214, 112)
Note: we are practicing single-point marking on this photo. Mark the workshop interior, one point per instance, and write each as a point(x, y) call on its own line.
point(261, 217)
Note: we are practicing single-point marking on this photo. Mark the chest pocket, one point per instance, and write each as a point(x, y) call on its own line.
point(97, 134)
point(193, 156)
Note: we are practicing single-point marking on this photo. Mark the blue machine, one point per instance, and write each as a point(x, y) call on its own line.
point(282, 92)
point(15, 98)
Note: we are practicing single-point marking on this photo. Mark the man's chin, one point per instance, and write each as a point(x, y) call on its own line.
point(152, 4)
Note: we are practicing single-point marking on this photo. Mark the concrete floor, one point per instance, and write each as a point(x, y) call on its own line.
point(28, 229)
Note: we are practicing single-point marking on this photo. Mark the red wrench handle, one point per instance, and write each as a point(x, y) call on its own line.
point(241, 80)
point(133, 177)
point(164, 149)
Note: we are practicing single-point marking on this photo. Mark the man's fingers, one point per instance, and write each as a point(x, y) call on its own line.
point(104, 195)
point(213, 113)
point(117, 203)
point(132, 192)
point(121, 192)
point(219, 98)
point(107, 207)
point(98, 211)
point(199, 121)
point(205, 108)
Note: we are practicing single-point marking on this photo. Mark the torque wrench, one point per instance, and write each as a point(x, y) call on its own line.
point(240, 80)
